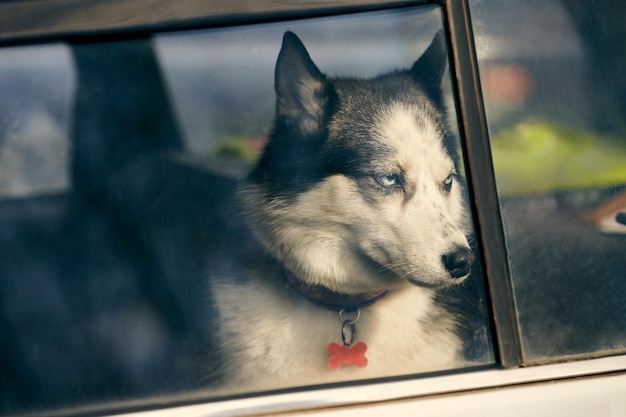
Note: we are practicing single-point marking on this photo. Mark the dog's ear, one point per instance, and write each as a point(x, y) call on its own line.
point(301, 89)
point(428, 70)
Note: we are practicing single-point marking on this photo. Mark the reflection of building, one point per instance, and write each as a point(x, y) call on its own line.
point(35, 104)
point(34, 157)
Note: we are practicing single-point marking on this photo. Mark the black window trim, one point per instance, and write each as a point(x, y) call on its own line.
point(24, 21)
point(481, 178)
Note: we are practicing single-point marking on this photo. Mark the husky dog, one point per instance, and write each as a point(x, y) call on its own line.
point(357, 212)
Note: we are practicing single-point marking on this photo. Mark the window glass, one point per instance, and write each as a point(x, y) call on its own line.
point(130, 272)
point(553, 82)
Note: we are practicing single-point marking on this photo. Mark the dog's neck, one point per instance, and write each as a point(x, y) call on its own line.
point(329, 299)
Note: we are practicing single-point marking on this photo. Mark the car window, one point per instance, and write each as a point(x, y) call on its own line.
point(553, 80)
point(119, 218)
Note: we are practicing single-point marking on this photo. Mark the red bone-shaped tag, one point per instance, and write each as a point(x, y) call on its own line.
point(344, 355)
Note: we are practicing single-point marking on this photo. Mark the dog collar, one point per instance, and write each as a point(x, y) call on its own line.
point(329, 299)
point(348, 306)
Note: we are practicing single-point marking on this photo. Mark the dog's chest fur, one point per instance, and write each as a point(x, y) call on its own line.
point(279, 339)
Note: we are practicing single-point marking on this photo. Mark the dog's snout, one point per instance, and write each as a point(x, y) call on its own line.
point(459, 262)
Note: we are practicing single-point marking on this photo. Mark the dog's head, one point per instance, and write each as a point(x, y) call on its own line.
point(357, 188)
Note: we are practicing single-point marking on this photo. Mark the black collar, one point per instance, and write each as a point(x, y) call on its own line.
point(327, 298)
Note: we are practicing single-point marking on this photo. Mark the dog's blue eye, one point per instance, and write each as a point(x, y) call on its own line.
point(388, 180)
point(447, 183)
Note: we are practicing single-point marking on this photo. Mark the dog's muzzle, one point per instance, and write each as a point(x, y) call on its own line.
point(459, 262)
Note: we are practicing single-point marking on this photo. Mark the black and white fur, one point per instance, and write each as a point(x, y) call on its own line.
point(356, 191)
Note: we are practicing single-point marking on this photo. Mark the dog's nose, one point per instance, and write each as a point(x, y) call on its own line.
point(459, 262)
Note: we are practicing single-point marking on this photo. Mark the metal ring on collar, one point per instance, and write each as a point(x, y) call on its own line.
point(353, 321)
